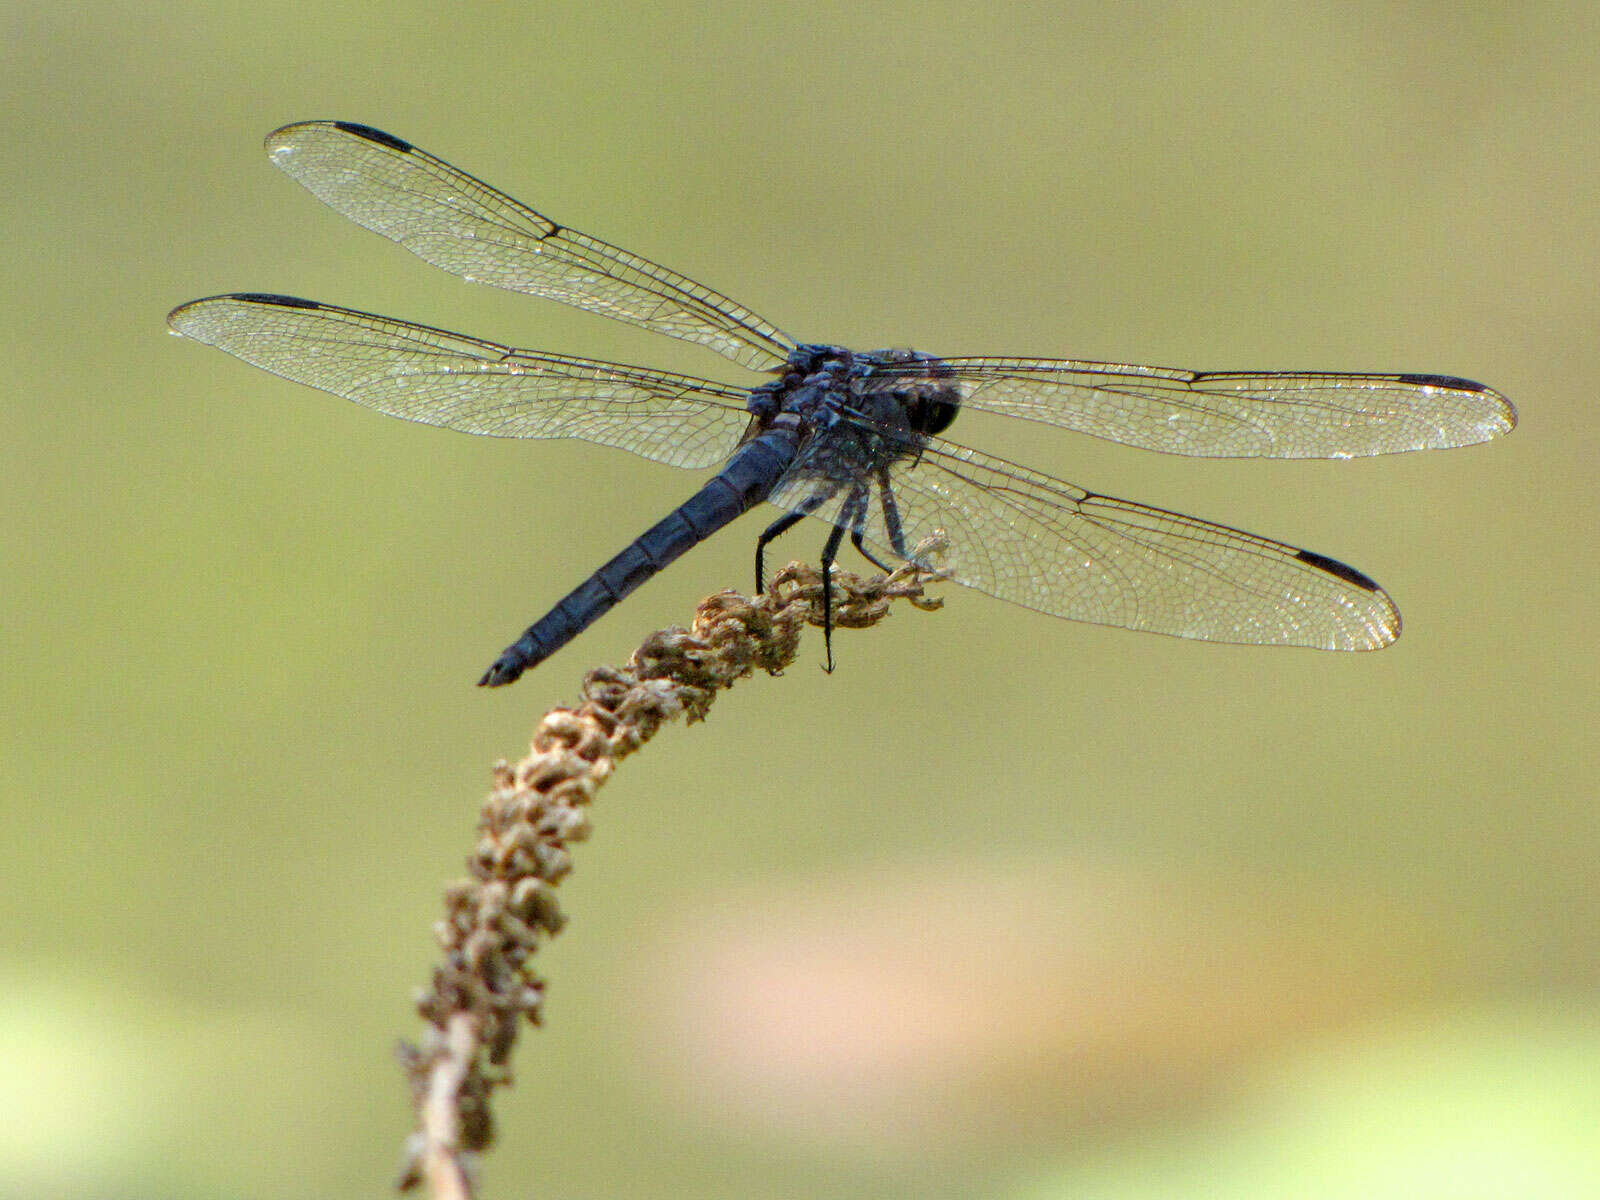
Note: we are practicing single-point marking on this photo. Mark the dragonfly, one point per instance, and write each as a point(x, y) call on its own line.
point(854, 439)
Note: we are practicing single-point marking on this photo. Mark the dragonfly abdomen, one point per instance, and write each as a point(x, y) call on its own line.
point(747, 480)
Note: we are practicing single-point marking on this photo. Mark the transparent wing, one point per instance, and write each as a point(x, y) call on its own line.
point(459, 382)
point(1224, 414)
point(1047, 545)
point(454, 221)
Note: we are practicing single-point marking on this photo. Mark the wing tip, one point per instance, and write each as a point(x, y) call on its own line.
point(1380, 626)
point(284, 136)
point(179, 317)
point(1384, 632)
point(1498, 416)
point(1503, 415)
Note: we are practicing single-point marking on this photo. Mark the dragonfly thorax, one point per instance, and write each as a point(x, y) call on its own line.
point(906, 393)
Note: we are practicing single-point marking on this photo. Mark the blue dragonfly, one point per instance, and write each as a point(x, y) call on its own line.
point(852, 438)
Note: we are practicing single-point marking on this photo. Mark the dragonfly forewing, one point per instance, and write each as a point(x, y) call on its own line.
point(1235, 414)
point(461, 224)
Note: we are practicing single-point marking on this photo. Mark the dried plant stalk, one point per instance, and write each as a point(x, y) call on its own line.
point(496, 919)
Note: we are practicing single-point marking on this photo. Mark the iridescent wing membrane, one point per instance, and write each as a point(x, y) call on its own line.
point(464, 383)
point(1229, 414)
point(1047, 545)
point(1050, 546)
point(1011, 532)
point(459, 223)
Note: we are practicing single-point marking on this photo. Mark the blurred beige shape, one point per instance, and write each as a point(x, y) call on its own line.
point(926, 1009)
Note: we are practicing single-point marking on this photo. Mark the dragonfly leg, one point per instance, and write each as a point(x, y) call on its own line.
point(829, 552)
point(855, 540)
point(850, 515)
point(891, 522)
point(891, 515)
point(781, 526)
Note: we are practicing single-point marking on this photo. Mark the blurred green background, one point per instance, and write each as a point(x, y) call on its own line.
point(1007, 907)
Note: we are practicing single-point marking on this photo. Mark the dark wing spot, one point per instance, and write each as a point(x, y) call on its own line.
point(1338, 570)
point(375, 135)
point(271, 298)
point(1452, 382)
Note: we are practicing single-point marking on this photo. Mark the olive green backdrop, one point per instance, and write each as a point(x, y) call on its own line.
point(1007, 906)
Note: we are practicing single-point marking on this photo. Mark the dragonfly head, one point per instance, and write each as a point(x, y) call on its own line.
point(922, 383)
